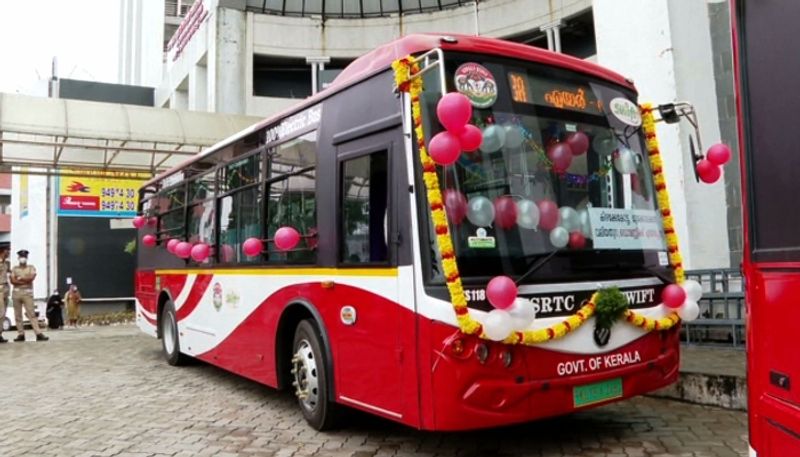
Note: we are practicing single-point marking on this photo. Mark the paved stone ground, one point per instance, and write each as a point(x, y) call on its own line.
point(107, 392)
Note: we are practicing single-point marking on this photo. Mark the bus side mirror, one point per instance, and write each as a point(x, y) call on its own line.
point(671, 113)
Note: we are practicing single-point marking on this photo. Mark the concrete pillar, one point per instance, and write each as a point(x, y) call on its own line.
point(667, 52)
point(230, 61)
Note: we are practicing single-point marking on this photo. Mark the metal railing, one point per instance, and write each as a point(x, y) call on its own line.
point(722, 309)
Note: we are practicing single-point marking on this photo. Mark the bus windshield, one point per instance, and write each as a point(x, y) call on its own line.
point(562, 172)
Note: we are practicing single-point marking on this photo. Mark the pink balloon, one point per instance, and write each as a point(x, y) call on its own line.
point(501, 292)
point(139, 221)
point(200, 252)
point(561, 156)
point(183, 250)
point(548, 215)
point(227, 253)
point(673, 296)
point(444, 148)
point(454, 111)
point(719, 154)
point(708, 172)
point(455, 204)
point(152, 221)
point(577, 240)
point(505, 212)
point(470, 138)
point(286, 238)
point(172, 244)
point(252, 247)
point(578, 142)
point(149, 240)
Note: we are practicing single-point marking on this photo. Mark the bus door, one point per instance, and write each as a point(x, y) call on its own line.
point(768, 100)
point(373, 353)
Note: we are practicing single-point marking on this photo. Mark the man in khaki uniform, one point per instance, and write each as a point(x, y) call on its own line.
point(22, 277)
point(5, 266)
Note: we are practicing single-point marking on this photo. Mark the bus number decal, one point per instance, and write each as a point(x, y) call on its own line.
point(475, 294)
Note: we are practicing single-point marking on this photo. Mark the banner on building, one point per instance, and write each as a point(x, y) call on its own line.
point(99, 193)
point(23, 193)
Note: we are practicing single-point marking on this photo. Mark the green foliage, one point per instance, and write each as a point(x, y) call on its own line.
point(611, 305)
point(130, 247)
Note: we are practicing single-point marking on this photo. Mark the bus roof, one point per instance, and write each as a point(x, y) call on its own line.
point(382, 57)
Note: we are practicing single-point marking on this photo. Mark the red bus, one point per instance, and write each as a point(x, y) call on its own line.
point(771, 261)
point(361, 312)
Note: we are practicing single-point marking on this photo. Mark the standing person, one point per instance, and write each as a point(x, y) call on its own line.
point(73, 299)
point(5, 267)
point(22, 277)
point(55, 319)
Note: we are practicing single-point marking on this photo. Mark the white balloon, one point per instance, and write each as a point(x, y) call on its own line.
point(689, 311)
point(498, 325)
point(559, 237)
point(513, 136)
point(494, 137)
point(625, 162)
point(527, 214)
point(522, 313)
point(569, 218)
point(586, 222)
point(693, 290)
point(480, 211)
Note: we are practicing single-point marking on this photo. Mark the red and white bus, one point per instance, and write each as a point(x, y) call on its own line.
point(766, 91)
point(358, 314)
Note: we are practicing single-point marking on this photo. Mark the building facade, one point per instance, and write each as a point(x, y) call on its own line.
point(258, 57)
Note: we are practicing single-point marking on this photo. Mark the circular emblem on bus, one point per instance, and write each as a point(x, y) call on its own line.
point(348, 315)
point(626, 111)
point(477, 83)
point(217, 299)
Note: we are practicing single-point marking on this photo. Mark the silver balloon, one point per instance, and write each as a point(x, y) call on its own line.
point(625, 162)
point(527, 214)
point(494, 137)
point(604, 143)
point(498, 325)
point(522, 313)
point(693, 290)
point(586, 222)
point(480, 211)
point(559, 237)
point(569, 218)
point(514, 137)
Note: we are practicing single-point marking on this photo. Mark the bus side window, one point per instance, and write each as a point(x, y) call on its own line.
point(364, 209)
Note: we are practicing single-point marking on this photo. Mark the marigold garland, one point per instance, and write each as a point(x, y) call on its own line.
point(405, 82)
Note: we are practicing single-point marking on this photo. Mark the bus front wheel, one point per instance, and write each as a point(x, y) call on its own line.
point(310, 377)
point(170, 342)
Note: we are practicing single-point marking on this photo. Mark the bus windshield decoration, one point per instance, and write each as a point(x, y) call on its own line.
point(559, 199)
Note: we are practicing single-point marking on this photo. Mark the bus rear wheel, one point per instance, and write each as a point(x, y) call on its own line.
point(170, 342)
point(310, 377)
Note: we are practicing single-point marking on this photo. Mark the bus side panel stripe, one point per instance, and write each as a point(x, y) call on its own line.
point(198, 289)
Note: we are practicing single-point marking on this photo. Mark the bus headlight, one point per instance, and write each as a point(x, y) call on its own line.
point(482, 352)
point(506, 358)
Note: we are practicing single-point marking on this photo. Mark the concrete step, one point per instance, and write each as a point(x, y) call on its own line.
point(710, 376)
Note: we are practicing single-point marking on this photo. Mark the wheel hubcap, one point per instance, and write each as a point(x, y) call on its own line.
point(306, 376)
point(168, 332)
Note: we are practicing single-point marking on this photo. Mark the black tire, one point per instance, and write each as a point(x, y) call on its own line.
point(310, 377)
point(170, 338)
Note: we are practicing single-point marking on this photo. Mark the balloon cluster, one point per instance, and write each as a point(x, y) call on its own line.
point(286, 238)
point(454, 111)
point(683, 299)
point(141, 221)
point(561, 153)
point(511, 313)
point(709, 169)
point(566, 225)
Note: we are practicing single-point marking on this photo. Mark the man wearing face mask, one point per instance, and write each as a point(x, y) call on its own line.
point(22, 277)
point(5, 267)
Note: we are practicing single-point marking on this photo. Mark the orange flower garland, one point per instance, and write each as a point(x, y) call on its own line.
point(405, 82)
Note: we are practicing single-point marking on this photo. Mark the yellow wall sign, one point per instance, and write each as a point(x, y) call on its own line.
point(99, 193)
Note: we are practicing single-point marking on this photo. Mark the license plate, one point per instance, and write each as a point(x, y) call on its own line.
point(597, 392)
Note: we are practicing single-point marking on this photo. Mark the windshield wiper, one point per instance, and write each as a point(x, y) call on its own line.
point(536, 266)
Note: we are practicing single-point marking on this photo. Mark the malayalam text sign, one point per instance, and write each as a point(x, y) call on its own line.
point(99, 194)
point(630, 229)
